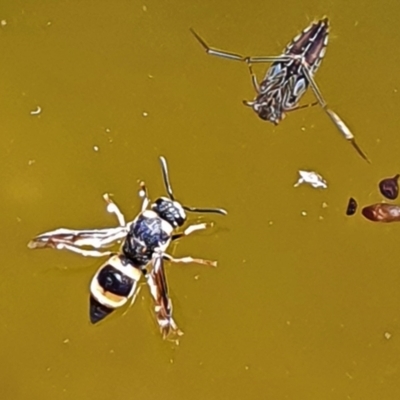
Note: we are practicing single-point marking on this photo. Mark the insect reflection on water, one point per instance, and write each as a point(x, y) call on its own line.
point(289, 76)
point(144, 244)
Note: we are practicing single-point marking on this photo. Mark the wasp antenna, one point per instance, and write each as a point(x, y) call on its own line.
point(206, 210)
point(164, 169)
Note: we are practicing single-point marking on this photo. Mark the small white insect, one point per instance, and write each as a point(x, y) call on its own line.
point(311, 177)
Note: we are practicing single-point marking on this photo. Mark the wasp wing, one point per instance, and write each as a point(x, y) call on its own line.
point(95, 238)
point(157, 282)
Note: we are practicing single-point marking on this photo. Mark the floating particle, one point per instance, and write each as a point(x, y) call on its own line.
point(37, 111)
point(312, 178)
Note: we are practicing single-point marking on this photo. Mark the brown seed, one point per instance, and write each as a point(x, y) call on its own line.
point(389, 187)
point(351, 207)
point(382, 212)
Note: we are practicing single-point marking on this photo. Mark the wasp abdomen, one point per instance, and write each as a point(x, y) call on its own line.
point(98, 311)
point(114, 281)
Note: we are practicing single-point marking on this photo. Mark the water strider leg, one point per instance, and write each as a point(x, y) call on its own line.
point(343, 128)
point(339, 123)
point(268, 59)
point(254, 81)
point(314, 87)
point(238, 57)
point(303, 106)
point(215, 52)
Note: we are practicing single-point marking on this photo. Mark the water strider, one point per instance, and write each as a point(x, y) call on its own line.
point(289, 76)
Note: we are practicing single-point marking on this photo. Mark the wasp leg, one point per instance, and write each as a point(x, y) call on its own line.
point(189, 230)
point(189, 260)
point(114, 209)
point(83, 252)
point(144, 194)
point(339, 123)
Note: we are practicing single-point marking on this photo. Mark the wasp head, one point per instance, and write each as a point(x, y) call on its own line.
point(170, 211)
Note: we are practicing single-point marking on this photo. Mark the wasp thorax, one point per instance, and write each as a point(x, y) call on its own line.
point(170, 211)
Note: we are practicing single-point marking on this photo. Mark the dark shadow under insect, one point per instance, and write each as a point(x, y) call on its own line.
point(289, 77)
